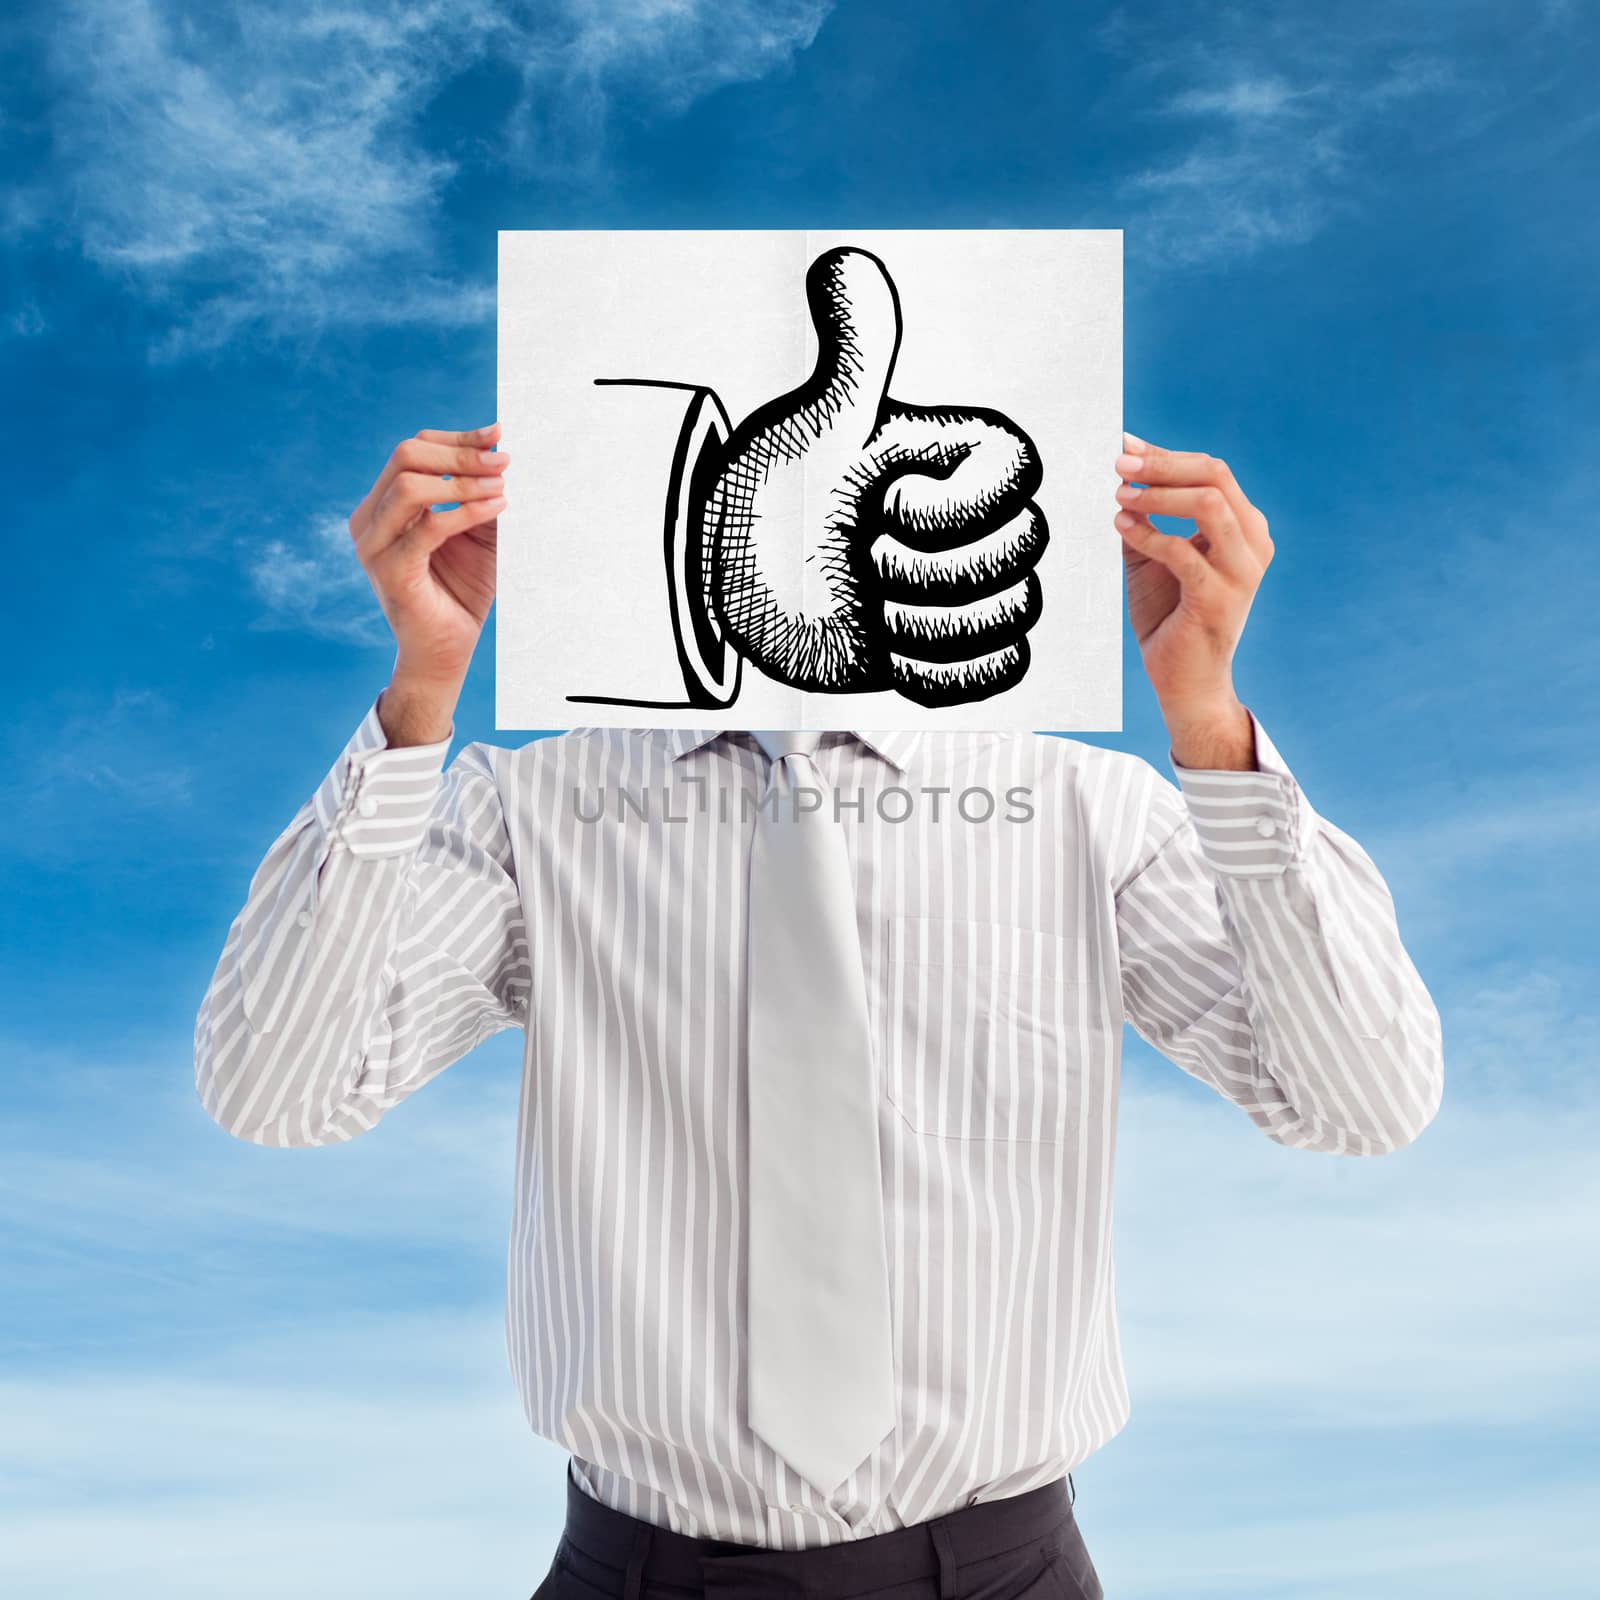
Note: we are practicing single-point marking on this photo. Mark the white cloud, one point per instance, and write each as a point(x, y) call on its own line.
point(1468, 1534)
point(316, 584)
point(244, 165)
point(386, 1456)
point(88, 767)
point(665, 52)
point(251, 166)
point(1244, 97)
point(192, 1195)
point(1451, 1284)
point(26, 322)
point(1274, 115)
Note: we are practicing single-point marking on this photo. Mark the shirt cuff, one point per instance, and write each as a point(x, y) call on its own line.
point(1250, 824)
point(387, 795)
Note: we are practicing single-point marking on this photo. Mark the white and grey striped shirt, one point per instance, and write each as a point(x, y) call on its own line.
point(406, 913)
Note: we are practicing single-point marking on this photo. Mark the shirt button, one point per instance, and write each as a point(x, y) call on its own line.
point(367, 806)
point(304, 919)
point(1266, 827)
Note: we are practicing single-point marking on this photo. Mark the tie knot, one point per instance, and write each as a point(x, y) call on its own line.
point(779, 743)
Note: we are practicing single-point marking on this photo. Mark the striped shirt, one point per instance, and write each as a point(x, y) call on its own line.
point(1019, 898)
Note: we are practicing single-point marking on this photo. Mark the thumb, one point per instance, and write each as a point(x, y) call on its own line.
point(856, 312)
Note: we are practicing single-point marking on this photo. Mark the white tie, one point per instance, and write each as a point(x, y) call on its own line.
point(821, 1357)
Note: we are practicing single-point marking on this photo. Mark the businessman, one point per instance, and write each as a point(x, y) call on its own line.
point(810, 1268)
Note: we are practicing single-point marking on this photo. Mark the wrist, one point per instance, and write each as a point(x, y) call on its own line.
point(1217, 734)
point(417, 711)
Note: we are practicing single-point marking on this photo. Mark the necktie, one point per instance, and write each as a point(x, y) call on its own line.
point(821, 1358)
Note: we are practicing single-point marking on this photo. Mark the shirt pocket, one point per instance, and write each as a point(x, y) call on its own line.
point(979, 1028)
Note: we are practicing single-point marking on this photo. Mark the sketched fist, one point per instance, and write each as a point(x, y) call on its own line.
point(855, 543)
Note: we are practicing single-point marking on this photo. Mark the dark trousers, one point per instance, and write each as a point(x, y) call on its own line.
point(1024, 1547)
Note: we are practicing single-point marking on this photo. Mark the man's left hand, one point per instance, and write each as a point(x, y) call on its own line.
point(1188, 597)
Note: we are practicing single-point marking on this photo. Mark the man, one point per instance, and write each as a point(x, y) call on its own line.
point(406, 914)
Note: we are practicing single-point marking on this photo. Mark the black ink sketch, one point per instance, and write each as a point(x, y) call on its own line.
point(842, 541)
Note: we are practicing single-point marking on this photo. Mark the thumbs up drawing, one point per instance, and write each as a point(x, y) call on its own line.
point(853, 542)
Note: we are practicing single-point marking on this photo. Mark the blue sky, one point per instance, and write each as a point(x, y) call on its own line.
point(248, 247)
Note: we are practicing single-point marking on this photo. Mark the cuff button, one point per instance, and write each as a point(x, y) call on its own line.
point(1266, 827)
point(304, 919)
point(367, 806)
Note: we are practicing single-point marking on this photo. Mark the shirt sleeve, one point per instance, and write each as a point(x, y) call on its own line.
point(1260, 952)
point(381, 938)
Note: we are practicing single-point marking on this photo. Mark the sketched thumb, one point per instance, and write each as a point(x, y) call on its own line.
point(856, 312)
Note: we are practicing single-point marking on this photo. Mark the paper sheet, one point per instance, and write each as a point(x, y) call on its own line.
point(810, 479)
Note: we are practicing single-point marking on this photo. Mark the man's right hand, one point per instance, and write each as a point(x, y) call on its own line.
point(433, 571)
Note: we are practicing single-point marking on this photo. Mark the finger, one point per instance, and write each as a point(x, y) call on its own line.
point(433, 452)
point(968, 572)
point(1195, 469)
point(418, 489)
point(437, 460)
point(949, 683)
point(958, 633)
point(410, 494)
point(856, 314)
point(1176, 554)
point(437, 526)
point(462, 461)
point(1223, 543)
point(478, 438)
point(953, 475)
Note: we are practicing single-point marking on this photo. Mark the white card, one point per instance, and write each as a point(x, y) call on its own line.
point(810, 479)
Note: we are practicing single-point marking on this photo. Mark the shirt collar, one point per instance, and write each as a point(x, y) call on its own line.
point(898, 746)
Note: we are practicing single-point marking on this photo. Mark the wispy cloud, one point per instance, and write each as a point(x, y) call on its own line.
point(579, 58)
point(88, 768)
point(26, 322)
point(1460, 1529)
point(1243, 99)
point(1326, 1292)
point(1271, 119)
point(204, 1208)
point(266, 167)
point(250, 164)
point(314, 584)
point(384, 1456)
